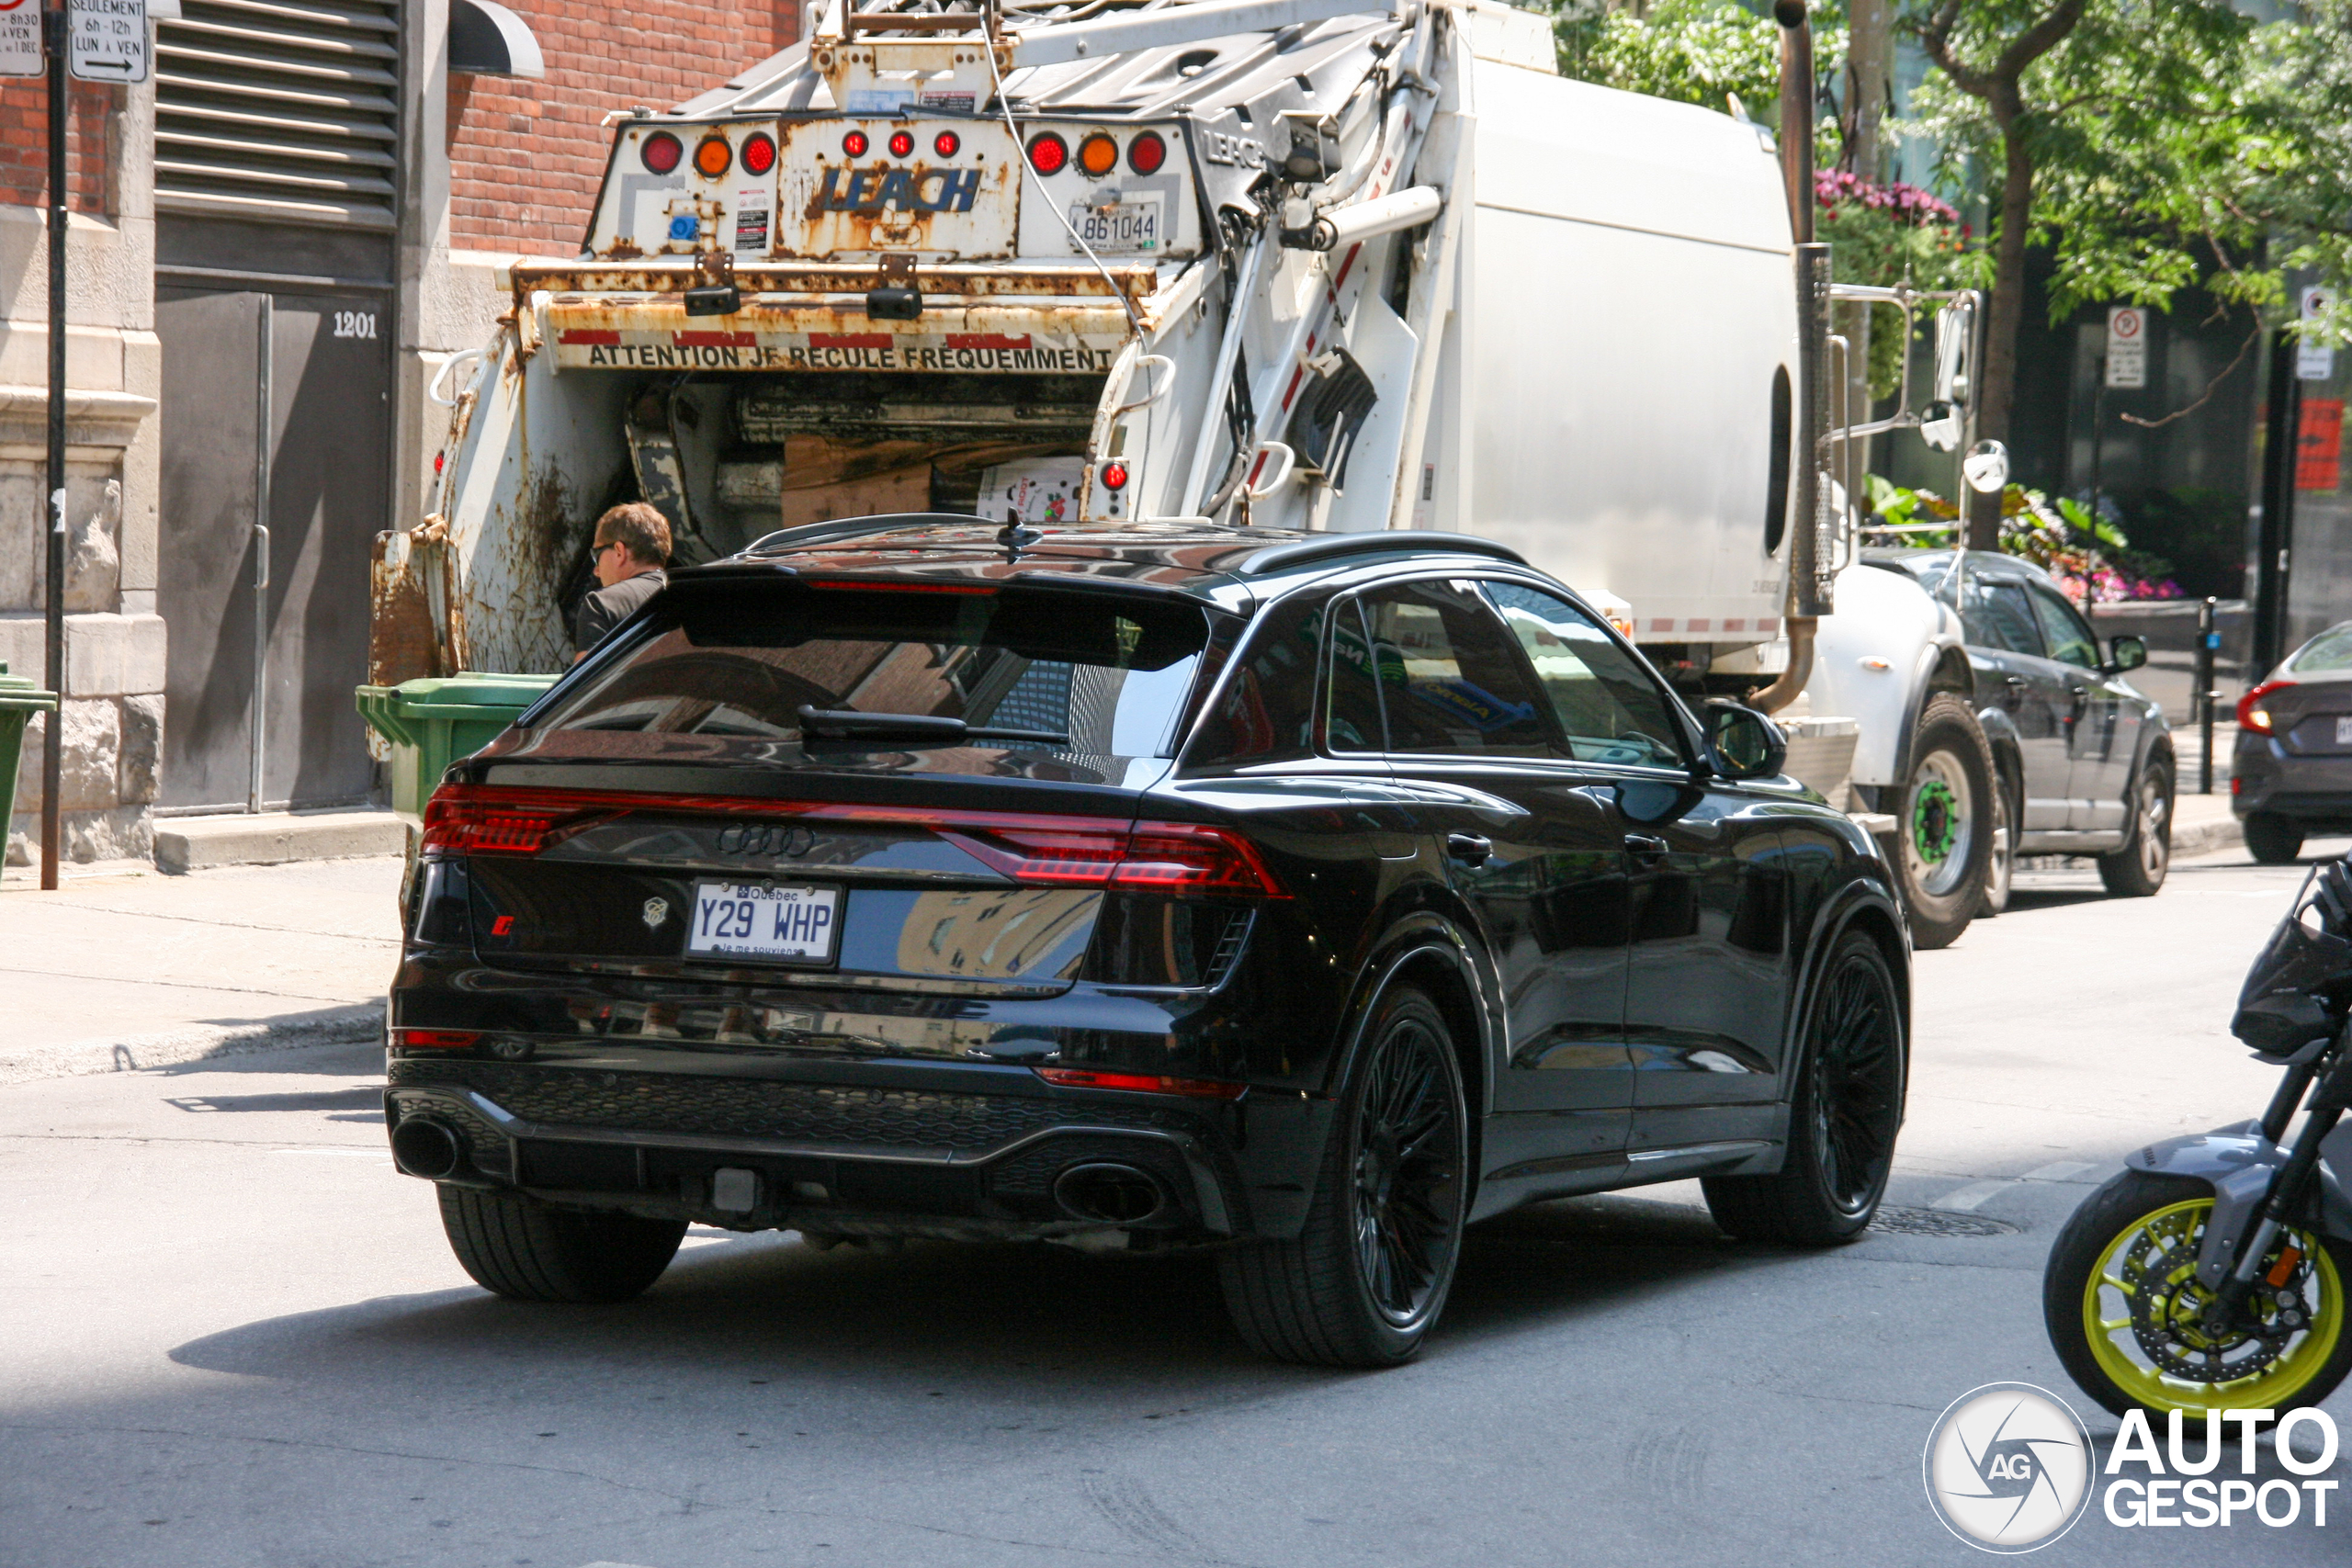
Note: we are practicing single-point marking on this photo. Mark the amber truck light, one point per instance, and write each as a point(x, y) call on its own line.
point(2252, 714)
point(713, 157)
point(1098, 154)
point(660, 153)
point(1147, 152)
point(1048, 153)
point(1141, 1083)
point(759, 152)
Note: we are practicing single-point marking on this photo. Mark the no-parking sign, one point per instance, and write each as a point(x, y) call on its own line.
point(20, 38)
point(2127, 348)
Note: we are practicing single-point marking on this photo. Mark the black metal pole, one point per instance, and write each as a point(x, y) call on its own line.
point(53, 735)
point(2274, 541)
point(2208, 638)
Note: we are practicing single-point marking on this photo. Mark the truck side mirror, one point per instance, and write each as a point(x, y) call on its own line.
point(1955, 328)
point(2126, 653)
point(1743, 743)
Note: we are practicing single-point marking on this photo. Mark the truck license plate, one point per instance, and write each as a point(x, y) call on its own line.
point(761, 920)
point(1124, 228)
point(2344, 729)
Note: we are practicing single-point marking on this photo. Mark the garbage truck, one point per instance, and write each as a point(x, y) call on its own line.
point(1286, 264)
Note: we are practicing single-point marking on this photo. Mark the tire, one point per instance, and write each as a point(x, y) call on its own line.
point(525, 1251)
point(1943, 842)
point(2273, 840)
point(1843, 1117)
point(2000, 865)
point(1368, 1273)
point(2138, 869)
point(2142, 1228)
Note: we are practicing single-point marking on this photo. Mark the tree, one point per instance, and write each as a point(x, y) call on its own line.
point(2105, 125)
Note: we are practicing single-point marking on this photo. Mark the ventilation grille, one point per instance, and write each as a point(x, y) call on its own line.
point(285, 110)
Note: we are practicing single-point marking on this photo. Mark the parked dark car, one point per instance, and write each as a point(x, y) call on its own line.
point(2085, 758)
point(1306, 895)
point(2291, 776)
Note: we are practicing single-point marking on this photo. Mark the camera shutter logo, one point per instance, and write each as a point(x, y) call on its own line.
point(2008, 1467)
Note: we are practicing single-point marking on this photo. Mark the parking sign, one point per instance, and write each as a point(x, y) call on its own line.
point(2127, 348)
point(20, 38)
point(109, 40)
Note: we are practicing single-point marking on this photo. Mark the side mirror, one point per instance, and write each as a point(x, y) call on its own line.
point(1743, 743)
point(2126, 653)
point(1941, 428)
point(1955, 330)
point(1986, 467)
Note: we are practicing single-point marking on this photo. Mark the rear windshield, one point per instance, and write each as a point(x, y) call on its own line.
point(2332, 650)
point(1048, 670)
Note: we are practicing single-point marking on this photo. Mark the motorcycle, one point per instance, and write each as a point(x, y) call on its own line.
point(2210, 1273)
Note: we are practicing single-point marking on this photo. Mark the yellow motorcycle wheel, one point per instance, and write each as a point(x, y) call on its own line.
point(2124, 1308)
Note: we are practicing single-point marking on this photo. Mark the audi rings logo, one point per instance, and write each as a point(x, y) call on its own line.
point(2008, 1467)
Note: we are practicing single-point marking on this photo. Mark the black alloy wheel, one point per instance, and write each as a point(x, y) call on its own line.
point(1842, 1124)
point(1369, 1271)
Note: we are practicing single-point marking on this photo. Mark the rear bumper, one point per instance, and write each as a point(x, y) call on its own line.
point(851, 1149)
point(2266, 777)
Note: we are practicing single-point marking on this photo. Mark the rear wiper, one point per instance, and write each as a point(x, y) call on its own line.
point(846, 724)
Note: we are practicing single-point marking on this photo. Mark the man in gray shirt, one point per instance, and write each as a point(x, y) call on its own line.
point(632, 547)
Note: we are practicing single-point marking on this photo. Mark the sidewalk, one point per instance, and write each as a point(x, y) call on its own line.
point(123, 967)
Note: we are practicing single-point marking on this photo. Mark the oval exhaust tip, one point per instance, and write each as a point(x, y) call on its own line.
point(1109, 1194)
point(422, 1146)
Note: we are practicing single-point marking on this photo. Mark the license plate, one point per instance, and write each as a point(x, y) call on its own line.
point(761, 920)
point(1124, 228)
point(2344, 729)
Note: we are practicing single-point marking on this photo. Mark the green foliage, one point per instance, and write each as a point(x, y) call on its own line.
point(2088, 553)
point(1693, 51)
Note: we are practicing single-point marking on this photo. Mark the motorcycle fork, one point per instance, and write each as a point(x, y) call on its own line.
point(2288, 1186)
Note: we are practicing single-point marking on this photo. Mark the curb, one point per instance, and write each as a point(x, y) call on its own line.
point(138, 1052)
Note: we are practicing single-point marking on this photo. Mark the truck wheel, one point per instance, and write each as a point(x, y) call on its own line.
point(2138, 869)
point(1944, 822)
point(525, 1251)
point(2273, 840)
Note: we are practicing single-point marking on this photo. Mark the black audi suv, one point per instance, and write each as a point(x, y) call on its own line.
point(1300, 897)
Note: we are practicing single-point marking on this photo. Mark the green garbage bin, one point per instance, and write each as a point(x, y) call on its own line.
point(431, 723)
point(19, 700)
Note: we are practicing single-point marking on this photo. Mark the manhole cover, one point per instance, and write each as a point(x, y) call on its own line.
point(1937, 1222)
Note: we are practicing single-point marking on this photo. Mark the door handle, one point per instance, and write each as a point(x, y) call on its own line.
point(1643, 844)
point(1469, 848)
point(2013, 680)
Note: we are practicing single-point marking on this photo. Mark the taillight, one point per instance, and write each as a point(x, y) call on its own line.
point(713, 157)
point(475, 819)
point(1177, 857)
point(902, 143)
point(1048, 153)
point(1098, 154)
point(2252, 714)
point(1115, 476)
point(1147, 152)
point(759, 152)
point(854, 144)
point(660, 153)
point(1144, 1083)
point(431, 1039)
point(1053, 851)
point(947, 144)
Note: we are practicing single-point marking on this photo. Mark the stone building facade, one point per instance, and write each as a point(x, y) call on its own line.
point(113, 704)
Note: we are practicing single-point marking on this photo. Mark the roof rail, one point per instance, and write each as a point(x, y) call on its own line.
point(1376, 541)
point(808, 534)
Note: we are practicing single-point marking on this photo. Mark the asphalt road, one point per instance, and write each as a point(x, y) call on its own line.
point(230, 1335)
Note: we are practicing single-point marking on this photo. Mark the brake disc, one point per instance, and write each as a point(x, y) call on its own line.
point(2169, 1320)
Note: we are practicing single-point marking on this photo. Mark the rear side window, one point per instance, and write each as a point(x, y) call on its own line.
point(1266, 713)
point(1092, 674)
point(1449, 680)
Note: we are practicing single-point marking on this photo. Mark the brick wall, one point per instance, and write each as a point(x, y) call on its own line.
point(24, 143)
point(525, 157)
